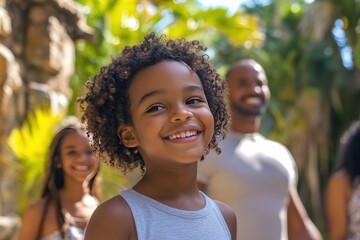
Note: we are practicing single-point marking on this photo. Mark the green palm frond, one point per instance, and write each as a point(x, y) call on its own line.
point(30, 146)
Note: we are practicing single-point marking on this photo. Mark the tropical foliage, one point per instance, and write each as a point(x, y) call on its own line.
point(30, 144)
point(120, 23)
point(310, 53)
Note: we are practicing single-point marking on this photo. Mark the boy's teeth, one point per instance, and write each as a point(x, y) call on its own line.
point(183, 135)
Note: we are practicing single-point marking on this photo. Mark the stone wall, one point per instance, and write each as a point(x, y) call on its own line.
point(37, 45)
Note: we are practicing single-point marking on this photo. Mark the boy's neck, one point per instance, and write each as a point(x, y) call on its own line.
point(170, 187)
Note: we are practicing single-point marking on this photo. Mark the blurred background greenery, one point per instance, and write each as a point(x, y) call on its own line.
point(309, 49)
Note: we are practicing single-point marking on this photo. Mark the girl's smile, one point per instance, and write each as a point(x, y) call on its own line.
point(77, 157)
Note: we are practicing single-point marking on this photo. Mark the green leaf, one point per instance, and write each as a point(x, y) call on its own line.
point(30, 145)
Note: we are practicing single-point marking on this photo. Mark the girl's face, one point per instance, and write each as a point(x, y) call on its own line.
point(171, 119)
point(77, 158)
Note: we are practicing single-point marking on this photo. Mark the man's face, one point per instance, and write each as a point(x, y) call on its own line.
point(248, 89)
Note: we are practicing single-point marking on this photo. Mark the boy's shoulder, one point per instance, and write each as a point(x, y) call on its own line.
point(115, 207)
point(112, 218)
point(229, 217)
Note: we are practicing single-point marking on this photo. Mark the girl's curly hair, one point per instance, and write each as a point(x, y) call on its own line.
point(106, 104)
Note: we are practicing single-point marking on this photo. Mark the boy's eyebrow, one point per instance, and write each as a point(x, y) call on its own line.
point(155, 92)
point(195, 88)
point(152, 93)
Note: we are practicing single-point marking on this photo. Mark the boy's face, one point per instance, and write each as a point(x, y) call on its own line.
point(248, 90)
point(171, 118)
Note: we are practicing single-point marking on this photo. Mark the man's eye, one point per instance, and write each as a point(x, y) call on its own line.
point(242, 84)
point(155, 108)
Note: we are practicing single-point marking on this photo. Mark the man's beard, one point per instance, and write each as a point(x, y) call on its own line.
point(247, 112)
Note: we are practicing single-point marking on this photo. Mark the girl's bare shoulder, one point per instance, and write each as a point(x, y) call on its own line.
point(340, 178)
point(35, 209)
point(31, 220)
point(340, 183)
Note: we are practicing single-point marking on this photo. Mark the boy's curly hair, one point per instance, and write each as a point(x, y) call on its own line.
point(106, 104)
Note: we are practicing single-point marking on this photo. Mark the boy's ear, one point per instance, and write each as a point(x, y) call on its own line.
point(127, 136)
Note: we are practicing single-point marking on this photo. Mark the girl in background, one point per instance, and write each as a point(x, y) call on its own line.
point(343, 193)
point(70, 193)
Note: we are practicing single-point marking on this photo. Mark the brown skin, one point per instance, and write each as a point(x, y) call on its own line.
point(338, 195)
point(117, 213)
point(172, 103)
point(229, 217)
point(248, 96)
point(300, 225)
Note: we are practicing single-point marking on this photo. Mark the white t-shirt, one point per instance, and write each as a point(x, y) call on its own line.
point(253, 175)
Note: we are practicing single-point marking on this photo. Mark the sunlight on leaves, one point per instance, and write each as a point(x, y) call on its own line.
point(30, 145)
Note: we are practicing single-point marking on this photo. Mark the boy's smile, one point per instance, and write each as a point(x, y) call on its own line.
point(171, 119)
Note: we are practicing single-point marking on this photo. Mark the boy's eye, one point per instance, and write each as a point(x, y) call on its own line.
point(194, 101)
point(155, 108)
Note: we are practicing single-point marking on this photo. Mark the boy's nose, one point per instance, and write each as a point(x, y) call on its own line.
point(181, 114)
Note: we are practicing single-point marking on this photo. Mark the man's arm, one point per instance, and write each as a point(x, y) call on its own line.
point(300, 225)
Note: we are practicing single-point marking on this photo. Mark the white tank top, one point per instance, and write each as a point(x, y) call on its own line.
point(155, 220)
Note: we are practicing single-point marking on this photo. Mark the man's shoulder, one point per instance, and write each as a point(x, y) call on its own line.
point(274, 148)
point(270, 142)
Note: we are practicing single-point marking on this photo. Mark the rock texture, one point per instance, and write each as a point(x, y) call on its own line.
point(37, 45)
